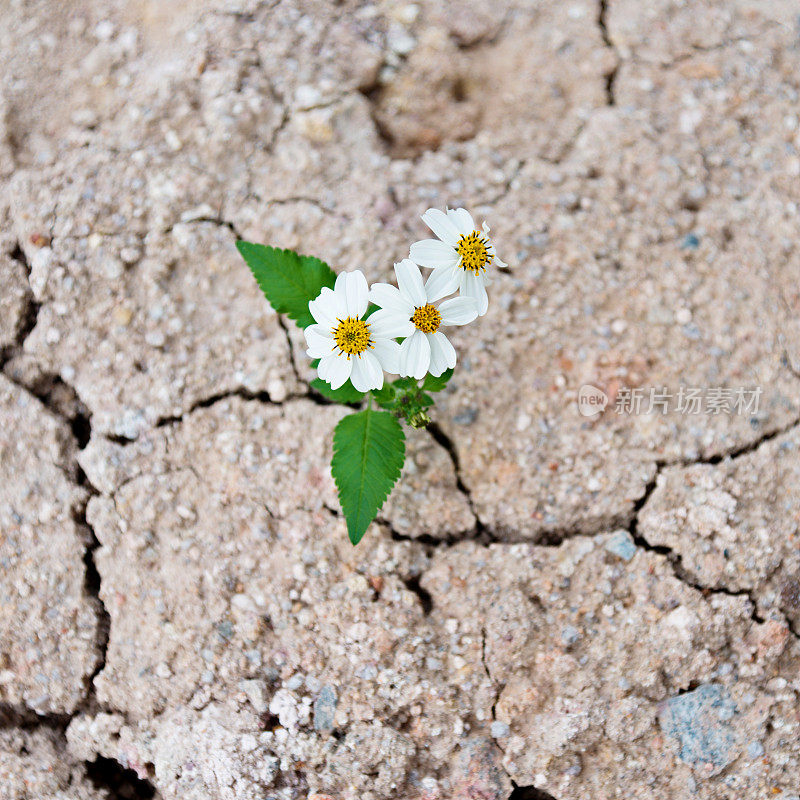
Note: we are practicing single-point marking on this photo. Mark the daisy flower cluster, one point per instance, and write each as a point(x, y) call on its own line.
point(358, 333)
point(361, 332)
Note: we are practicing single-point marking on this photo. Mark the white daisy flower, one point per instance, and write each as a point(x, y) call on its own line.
point(347, 345)
point(459, 256)
point(409, 311)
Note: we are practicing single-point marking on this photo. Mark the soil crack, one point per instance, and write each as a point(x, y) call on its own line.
point(480, 531)
point(611, 77)
point(529, 793)
point(106, 773)
point(29, 316)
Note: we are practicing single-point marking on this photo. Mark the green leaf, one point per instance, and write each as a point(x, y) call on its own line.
point(385, 397)
point(406, 399)
point(404, 384)
point(368, 453)
point(431, 384)
point(344, 394)
point(289, 281)
point(424, 400)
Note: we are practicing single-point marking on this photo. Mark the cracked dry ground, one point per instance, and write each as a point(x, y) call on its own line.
point(597, 608)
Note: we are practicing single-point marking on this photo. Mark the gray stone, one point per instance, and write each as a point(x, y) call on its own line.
point(570, 635)
point(256, 694)
point(499, 729)
point(325, 709)
point(755, 749)
point(701, 721)
point(621, 544)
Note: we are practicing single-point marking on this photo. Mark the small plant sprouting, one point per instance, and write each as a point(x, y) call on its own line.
point(357, 333)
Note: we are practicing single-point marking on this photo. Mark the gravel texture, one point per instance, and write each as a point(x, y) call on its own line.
point(734, 525)
point(35, 764)
point(600, 607)
point(14, 300)
point(48, 618)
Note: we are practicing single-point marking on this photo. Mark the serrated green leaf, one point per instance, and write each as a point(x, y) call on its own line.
point(368, 454)
point(344, 394)
point(289, 281)
point(434, 384)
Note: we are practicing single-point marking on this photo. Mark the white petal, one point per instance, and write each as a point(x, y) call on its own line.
point(441, 282)
point(472, 286)
point(386, 324)
point(327, 308)
point(443, 354)
point(389, 297)
point(325, 366)
point(415, 355)
point(462, 219)
point(352, 286)
point(498, 263)
point(433, 253)
point(409, 279)
point(458, 310)
point(339, 371)
point(441, 225)
point(319, 340)
point(367, 372)
point(388, 353)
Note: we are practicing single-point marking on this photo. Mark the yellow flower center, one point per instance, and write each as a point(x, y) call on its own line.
point(352, 336)
point(427, 319)
point(475, 252)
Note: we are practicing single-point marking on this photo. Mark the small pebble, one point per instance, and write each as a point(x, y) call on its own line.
point(499, 729)
point(570, 635)
point(466, 417)
point(325, 709)
point(621, 544)
point(755, 749)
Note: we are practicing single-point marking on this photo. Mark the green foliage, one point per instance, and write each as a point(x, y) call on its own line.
point(368, 454)
point(431, 384)
point(368, 446)
point(289, 281)
point(419, 400)
point(406, 399)
point(344, 394)
point(386, 396)
point(405, 384)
